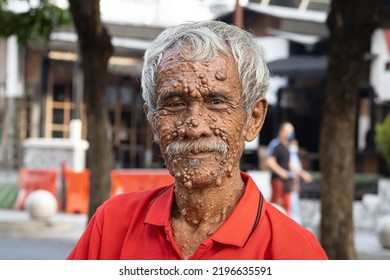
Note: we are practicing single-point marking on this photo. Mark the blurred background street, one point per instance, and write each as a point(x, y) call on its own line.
point(49, 82)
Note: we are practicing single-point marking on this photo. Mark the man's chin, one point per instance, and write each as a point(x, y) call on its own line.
point(197, 163)
point(186, 164)
point(194, 166)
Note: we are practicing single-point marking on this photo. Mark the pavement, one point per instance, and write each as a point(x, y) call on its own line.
point(59, 227)
point(22, 238)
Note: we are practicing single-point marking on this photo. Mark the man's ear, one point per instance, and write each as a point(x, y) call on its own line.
point(256, 120)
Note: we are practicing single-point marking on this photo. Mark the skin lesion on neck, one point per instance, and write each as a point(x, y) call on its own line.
point(198, 215)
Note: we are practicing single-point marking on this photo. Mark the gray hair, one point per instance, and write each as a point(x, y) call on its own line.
point(206, 40)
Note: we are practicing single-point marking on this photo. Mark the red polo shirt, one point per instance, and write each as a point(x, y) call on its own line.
point(136, 226)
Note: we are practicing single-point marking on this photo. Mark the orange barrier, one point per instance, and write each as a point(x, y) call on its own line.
point(129, 180)
point(77, 191)
point(77, 184)
point(35, 179)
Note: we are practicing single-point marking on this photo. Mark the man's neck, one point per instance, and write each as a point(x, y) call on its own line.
point(207, 204)
point(283, 141)
point(197, 213)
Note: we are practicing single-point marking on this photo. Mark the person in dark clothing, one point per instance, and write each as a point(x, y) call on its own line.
point(282, 168)
point(278, 161)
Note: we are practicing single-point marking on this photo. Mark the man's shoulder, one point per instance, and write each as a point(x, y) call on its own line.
point(280, 148)
point(289, 239)
point(280, 145)
point(271, 146)
point(131, 200)
point(278, 219)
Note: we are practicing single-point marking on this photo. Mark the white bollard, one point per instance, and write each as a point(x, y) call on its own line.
point(41, 205)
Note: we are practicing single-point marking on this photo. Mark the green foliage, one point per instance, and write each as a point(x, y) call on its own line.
point(8, 194)
point(382, 139)
point(35, 24)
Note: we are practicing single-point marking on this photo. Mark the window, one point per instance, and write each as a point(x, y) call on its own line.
point(59, 108)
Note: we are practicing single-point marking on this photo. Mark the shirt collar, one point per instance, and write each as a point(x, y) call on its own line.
point(238, 227)
point(245, 216)
point(160, 209)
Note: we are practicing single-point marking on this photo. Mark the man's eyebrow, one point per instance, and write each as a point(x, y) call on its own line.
point(215, 94)
point(170, 94)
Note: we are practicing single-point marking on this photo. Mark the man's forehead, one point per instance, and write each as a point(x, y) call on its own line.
point(218, 73)
point(173, 58)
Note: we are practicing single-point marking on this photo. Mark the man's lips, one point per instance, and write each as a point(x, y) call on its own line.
point(200, 154)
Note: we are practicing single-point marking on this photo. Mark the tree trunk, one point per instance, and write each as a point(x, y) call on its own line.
point(350, 26)
point(95, 48)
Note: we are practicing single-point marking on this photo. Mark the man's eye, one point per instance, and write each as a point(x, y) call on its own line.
point(175, 104)
point(216, 101)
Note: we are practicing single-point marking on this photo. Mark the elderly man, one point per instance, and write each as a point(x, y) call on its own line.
point(204, 87)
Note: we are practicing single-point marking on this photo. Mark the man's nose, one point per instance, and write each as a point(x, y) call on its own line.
point(196, 123)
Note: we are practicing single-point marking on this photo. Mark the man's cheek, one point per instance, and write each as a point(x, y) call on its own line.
point(164, 129)
point(166, 137)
